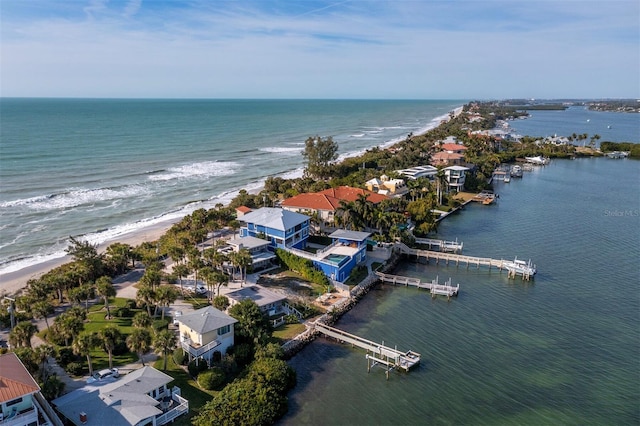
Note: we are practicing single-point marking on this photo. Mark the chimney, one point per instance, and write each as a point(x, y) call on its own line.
point(83, 417)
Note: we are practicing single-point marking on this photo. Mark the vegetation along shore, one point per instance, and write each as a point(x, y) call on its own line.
point(113, 306)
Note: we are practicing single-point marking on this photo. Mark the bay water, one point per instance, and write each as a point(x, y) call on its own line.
point(101, 168)
point(562, 348)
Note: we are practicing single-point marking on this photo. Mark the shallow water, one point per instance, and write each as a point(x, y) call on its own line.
point(561, 349)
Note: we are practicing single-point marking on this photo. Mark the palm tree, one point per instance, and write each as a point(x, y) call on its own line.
point(145, 296)
point(43, 352)
point(141, 320)
point(110, 336)
point(22, 333)
point(243, 260)
point(164, 342)
point(166, 295)
point(181, 270)
point(139, 342)
point(42, 309)
point(82, 345)
point(105, 289)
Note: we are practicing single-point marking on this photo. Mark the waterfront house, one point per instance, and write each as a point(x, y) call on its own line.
point(347, 250)
point(21, 402)
point(269, 302)
point(141, 397)
point(204, 332)
point(324, 204)
point(455, 176)
point(281, 227)
point(261, 256)
point(417, 172)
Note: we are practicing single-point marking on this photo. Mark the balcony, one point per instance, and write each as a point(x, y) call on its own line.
point(173, 406)
point(196, 350)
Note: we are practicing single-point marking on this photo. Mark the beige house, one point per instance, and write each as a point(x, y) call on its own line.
point(204, 332)
point(387, 186)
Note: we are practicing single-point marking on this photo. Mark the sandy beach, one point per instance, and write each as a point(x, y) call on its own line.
point(11, 283)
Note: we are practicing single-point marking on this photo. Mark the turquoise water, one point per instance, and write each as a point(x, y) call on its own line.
point(102, 168)
point(561, 349)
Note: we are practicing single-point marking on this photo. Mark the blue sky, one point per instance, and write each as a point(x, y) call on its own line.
point(430, 49)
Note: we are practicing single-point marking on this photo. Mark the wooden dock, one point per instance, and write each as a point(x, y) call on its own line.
point(377, 354)
point(442, 245)
point(500, 264)
point(434, 287)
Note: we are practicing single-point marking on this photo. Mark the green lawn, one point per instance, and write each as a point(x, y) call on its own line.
point(190, 390)
point(287, 332)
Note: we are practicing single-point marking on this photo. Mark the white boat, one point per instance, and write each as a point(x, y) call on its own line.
point(538, 160)
point(617, 154)
point(516, 171)
point(520, 267)
point(507, 179)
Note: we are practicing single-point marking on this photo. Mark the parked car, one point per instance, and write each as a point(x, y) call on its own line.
point(201, 289)
point(105, 374)
point(176, 315)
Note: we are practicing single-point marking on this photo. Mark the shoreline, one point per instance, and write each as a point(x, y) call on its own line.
point(12, 282)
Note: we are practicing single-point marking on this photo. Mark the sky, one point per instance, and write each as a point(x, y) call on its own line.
point(355, 49)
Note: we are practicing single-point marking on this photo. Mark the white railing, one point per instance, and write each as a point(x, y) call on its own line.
point(21, 419)
point(293, 310)
point(327, 248)
point(169, 416)
point(199, 351)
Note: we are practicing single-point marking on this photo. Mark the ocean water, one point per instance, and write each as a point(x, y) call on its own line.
point(611, 126)
point(560, 349)
point(102, 168)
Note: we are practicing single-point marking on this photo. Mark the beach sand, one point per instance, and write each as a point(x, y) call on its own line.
point(12, 283)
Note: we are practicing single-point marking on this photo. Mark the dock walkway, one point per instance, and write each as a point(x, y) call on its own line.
point(459, 258)
point(434, 287)
point(442, 245)
point(377, 353)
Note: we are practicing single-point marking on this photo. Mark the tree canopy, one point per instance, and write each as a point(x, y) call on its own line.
point(319, 153)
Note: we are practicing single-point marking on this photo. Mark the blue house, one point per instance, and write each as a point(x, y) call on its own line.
point(348, 249)
point(283, 228)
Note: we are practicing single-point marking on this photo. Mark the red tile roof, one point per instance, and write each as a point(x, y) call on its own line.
point(453, 147)
point(348, 193)
point(446, 156)
point(15, 380)
point(329, 199)
point(243, 209)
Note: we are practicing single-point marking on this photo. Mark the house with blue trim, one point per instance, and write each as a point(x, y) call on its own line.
point(282, 228)
point(347, 250)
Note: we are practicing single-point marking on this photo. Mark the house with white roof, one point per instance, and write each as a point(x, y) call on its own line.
point(282, 228)
point(387, 186)
point(416, 172)
point(455, 176)
point(348, 249)
point(141, 397)
point(204, 332)
point(269, 302)
point(261, 256)
point(21, 402)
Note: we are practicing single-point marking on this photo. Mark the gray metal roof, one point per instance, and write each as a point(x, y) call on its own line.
point(260, 295)
point(206, 319)
point(122, 402)
point(248, 242)
point(350, 235)
point(275, 218)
